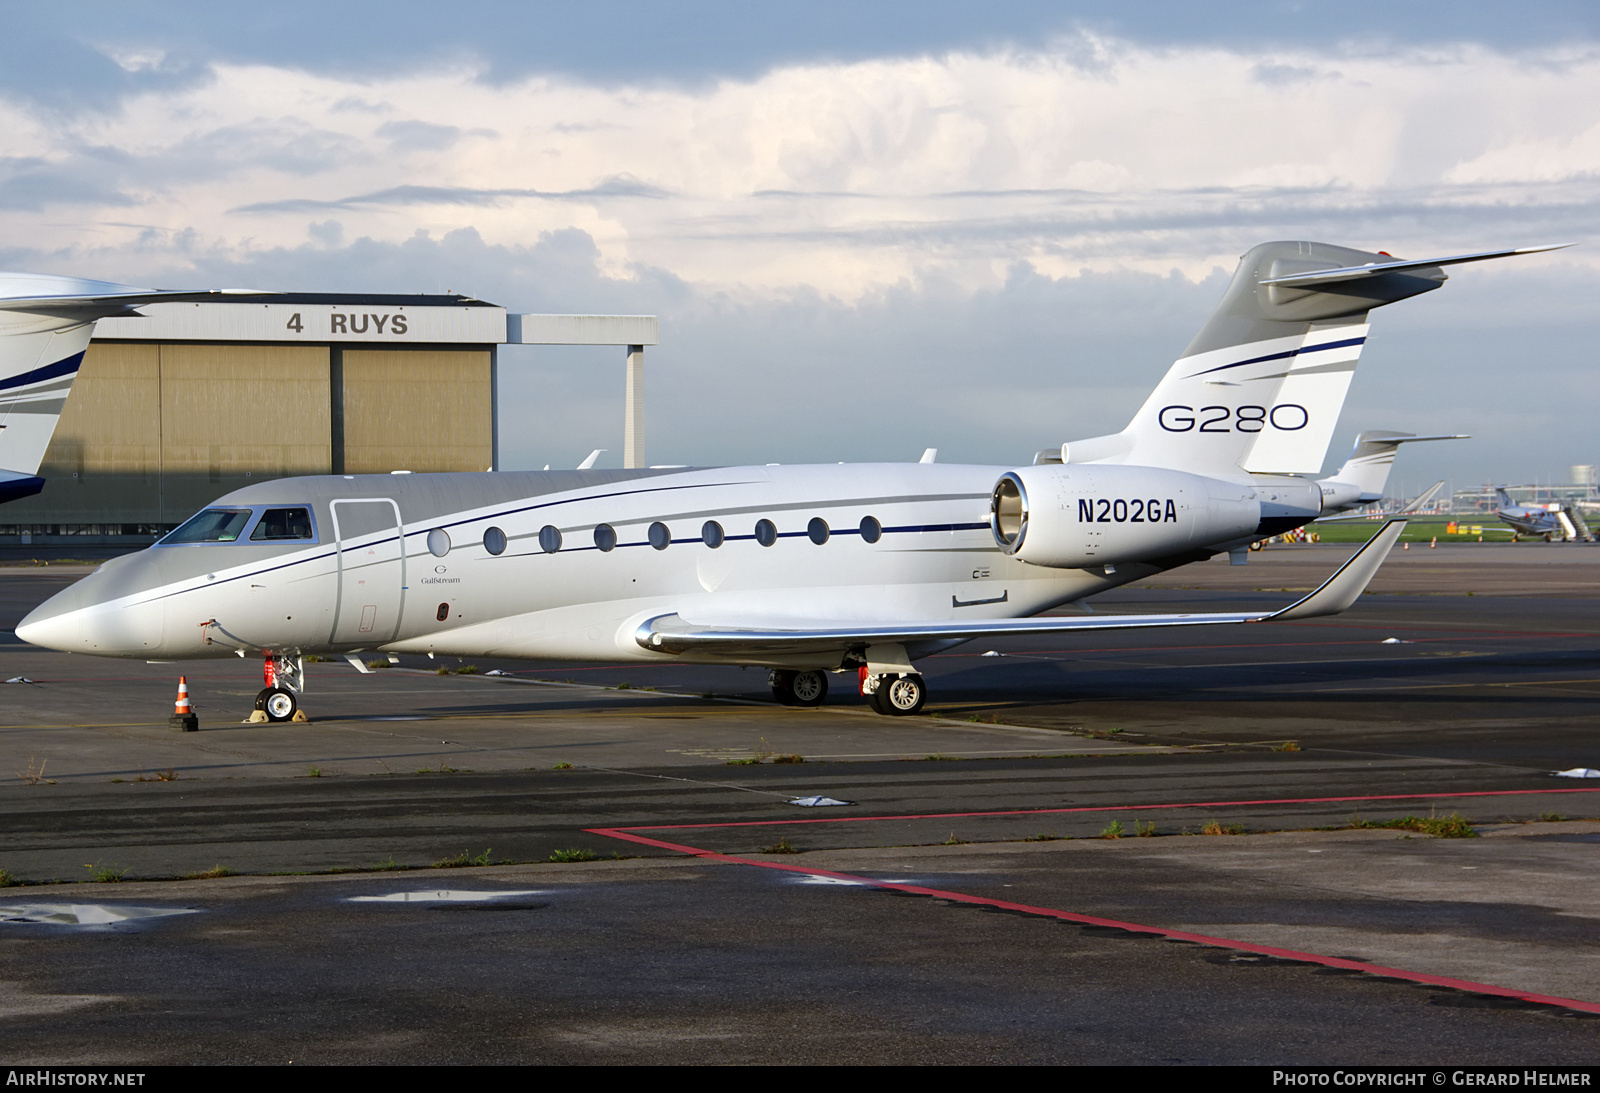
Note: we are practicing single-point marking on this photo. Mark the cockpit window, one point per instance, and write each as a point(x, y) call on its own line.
point(212, 526)
point(283, 524)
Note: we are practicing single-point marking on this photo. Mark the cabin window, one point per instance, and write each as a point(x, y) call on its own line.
point(438, 542)
point(550, 539)
point(443, 612)
point(212, 526)
point(871, 530)
point(660, 537)
point(817, 529)
point(494, 541)
point(711, 534)
point(605, 537)
point(279, 524)
point(766, 532)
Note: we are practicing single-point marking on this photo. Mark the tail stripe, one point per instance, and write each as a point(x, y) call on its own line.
point(1281, 356)
point(66, 366)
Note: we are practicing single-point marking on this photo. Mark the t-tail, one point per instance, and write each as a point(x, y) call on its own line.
point(1260, 388)
point(1362, 478)
point(45, 326)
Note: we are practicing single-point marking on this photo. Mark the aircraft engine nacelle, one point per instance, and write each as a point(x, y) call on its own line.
point(1071, 516)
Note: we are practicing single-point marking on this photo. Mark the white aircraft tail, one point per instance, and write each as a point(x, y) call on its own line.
point(1362, 478)
point(45, 326)
point(1260, 388)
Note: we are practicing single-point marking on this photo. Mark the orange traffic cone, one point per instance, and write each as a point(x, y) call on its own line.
point(183, 718)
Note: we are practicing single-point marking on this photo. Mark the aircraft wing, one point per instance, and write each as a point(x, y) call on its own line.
point(671, 634)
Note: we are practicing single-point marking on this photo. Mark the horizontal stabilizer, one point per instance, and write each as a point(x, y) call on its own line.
point(671, 634)
point(33, 291)
point(1373, 269)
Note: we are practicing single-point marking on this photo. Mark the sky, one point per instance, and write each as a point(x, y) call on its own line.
point(867, 229)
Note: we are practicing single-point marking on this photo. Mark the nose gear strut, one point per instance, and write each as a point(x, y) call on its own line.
point(284, 677)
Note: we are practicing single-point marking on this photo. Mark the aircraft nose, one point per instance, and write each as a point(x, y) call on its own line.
point(76, 620)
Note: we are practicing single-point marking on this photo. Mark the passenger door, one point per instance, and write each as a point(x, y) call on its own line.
point(372, 570)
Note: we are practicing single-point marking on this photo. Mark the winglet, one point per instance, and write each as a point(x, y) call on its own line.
point(1343, 588)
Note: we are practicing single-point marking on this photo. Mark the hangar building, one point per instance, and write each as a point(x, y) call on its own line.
point(181, 404)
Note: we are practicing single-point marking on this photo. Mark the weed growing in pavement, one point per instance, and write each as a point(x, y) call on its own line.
point(1043, 837)
point(1287, 745)
point(214, 873)
point(792, 757)
point(313, 772)
point(1551, 817)
point(6, 879)
point(1113, 830)
point(953, 841)
point(1144, 828)
point(562, 766)
point(441, 671)
point(1453, 826)
point(462, 860)
point(386, 866)
point(782, 846)
point(573, 854)
point(1215, 828)
point(740, 762)
point(381, 662)
point(939, 757)
point(35, 773)
point(168, 775)
point(624, 686)
point(467, 670)
point(106, 874)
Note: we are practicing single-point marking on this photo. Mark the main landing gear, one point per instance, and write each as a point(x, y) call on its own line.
point(895, 695)
point(284, 678)
point(898, 696)
point(798, 688)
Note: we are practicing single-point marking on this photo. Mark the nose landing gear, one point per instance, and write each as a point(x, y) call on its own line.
point(285, 680)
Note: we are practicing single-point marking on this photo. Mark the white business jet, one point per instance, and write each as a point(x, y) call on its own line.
point(805, 570)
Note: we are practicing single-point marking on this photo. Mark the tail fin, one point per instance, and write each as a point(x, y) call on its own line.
point(45, 326)
point(1362, 478)
point(1261, 386)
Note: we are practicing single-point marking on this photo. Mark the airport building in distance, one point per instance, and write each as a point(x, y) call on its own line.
point(188, 401)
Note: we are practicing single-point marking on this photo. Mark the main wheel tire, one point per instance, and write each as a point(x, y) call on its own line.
point(798, 688)
point(901, 696)
point(278, 702)
point(808, 688)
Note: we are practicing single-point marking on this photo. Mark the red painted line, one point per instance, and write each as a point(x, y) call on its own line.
point(1092, 920)
point(1111, 808)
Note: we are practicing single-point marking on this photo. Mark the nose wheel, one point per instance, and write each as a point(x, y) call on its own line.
point(278, 703)
point(279, 700)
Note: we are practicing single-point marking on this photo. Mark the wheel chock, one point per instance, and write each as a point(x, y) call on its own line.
point(299, 715)
point(183, 718)
point(256, 717)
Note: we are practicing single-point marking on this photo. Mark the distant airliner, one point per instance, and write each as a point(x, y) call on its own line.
point(804, 570)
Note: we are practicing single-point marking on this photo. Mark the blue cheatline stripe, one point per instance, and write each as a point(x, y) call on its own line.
point(66, 366)
point(909, 528)
point(1281, 356)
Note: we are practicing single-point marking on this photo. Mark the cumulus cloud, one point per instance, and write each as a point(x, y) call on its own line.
point(858, 260)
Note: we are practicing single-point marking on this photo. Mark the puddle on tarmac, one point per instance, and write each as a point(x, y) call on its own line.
point(84, 914)
point(442, 895)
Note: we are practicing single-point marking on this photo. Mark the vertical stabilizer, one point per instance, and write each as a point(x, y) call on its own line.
point(45, 326)
point(1260, 388)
